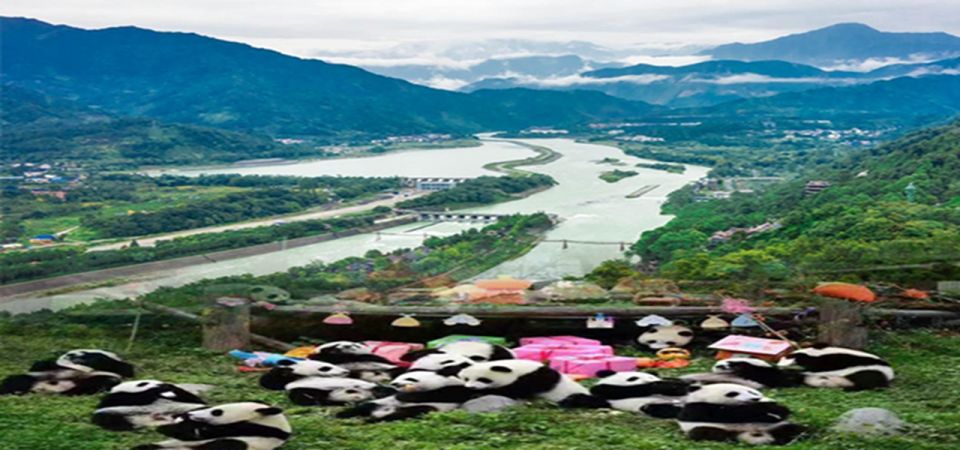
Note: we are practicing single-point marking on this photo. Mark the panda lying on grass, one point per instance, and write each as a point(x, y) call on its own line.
point(419, 392)
point(358, 359)
point(751, 372)
point(334, 391)
point(476, 351)
point(287, 371)
point(640, 392)
point(733, 412)
point(77, 372)
point(233, 426)
point(837, 367)
point(144, 403)
point(520, 379)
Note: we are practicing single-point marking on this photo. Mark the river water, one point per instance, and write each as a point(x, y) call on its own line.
point(590, 209)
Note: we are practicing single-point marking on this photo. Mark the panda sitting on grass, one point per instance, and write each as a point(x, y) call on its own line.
point(733, 412)
point(520, 379)
point(358, 359)
point(232, 426)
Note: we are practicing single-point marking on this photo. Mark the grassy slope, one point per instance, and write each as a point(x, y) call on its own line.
point(925, 395)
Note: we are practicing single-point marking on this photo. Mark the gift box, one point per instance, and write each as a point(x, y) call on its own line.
point(589, 365)
point(558, 340)
point(495, 340)
point(737, 345)
point(393, 351)
point(543, 353)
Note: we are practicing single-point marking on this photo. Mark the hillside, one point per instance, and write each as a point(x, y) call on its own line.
point(188, 78)
point(865, 219)
point(41, 128)
point(841, 43)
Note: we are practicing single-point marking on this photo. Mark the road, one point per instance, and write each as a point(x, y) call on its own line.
point(308, 215)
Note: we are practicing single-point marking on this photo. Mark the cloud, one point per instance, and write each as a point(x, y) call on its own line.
point(749, 78)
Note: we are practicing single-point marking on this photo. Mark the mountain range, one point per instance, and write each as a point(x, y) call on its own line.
point(192, 79)
point(843, 43)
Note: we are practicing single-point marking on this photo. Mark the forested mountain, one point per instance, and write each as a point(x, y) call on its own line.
point(867, 218)
point(924, 100)
point(37, 128)
point(188, 78)
point(843, 42)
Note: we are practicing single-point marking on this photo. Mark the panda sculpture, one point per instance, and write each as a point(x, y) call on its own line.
point(733, 412)
point(287, 371)
point(144, 403)
point(751, 372)
point(77, 372)
point(837, 367)
point(333, 391)
point(233, 426)
point(476, 351)
point(419, 392)
point(642, 392)
point(659, 337)
point(522, 379)
point(446, 364)
point(358, 359)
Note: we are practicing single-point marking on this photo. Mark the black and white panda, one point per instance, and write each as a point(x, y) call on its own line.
point(62, 383)
point(522, 379)
point(77, 372)
point(642, 392)
point(232, 426)
point(144, 403)
point(419, 392)
point(287, 371)
point(837, 367)
point(358, 359)
point(751, 372)
point(659, 337)
point(733, 412)
point(476, 351)
point(334, 391)
point(446, 364)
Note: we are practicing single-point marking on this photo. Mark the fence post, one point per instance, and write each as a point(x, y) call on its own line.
point(226, 324)
point(841, 324)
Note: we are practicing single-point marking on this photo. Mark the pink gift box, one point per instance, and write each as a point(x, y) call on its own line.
point(546, 352)
point(558, 340)
point(589, 365)
point(393, 350)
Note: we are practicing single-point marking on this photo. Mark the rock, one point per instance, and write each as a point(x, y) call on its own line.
point(869, 422)
point(488, 403)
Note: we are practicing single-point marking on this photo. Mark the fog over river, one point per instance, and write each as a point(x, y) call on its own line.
point(590, 209)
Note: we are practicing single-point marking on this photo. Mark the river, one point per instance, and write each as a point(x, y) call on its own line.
point(590, 209)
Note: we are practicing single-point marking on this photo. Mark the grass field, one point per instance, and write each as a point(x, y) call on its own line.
point(926, 394)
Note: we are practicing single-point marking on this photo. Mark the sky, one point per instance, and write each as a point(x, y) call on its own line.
point(449, 30)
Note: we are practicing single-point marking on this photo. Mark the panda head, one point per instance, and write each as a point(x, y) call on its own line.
point(732, 364)
point(353, 348)
point(442, 361)
point(495, 374)
point(477, 351)
point(726, 394)
point(93, 360)
point(626, 378)
point(423, 380)
point(380, 376)
point(53, 386)
point(310, 368)
point(137, 386)
point(665, 336)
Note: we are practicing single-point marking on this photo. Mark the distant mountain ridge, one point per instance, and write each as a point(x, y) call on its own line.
point(188, 78)
point(842, 42)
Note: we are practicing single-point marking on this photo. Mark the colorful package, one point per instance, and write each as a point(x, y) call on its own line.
point(393, 350)
point(546, 352)
point(590, 365)
point(558, 340)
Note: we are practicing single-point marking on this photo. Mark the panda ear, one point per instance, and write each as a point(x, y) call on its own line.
point(821, 345)
point(685, 333)
point(605, 373)
point(501, 369)
point(269, 411)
